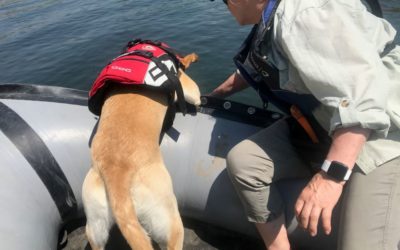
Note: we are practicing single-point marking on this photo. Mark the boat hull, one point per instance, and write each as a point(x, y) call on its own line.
point(44, 162)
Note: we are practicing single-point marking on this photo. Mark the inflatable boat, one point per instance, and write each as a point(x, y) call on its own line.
point(45, 138)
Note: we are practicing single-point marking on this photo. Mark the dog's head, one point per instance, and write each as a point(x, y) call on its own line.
point(190, 89)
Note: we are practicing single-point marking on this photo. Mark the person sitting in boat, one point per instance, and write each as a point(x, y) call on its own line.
point(334, 67)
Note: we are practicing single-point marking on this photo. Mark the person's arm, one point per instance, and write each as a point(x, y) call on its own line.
point(343, 70)
point(322, 193)
point(233, 84)
point(347, 144)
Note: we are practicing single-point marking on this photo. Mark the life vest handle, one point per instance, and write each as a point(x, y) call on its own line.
point(171, 52)
point(302, 120)
point(142, 53)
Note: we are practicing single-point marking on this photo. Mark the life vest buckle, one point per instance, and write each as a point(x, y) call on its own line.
point(265, 73)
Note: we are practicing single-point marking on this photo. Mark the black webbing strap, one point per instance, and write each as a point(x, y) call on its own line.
point(37, 154)
point(263, 90)
point(176, 84)
point(174, 81)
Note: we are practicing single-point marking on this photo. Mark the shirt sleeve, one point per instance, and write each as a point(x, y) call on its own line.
point(339, 65)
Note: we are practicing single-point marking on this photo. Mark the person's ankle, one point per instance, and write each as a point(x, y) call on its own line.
point(279, 246)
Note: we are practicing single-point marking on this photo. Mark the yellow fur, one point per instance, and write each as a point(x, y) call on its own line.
point(128, 181)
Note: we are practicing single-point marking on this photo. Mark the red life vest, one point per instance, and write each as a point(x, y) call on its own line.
point(146, 63)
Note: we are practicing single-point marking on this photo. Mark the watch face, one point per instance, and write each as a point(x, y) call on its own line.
point(337, 170)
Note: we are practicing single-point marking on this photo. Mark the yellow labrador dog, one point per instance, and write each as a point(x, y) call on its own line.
point(128, 183)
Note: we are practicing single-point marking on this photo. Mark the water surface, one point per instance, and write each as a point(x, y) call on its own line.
point(66, 43)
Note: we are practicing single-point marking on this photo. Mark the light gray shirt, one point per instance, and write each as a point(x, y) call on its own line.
point(332, 49)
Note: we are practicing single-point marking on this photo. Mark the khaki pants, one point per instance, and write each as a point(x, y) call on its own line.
point(371, 210)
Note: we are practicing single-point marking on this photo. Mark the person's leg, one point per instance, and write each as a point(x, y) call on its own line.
point(253, 166)
point(370, 216)
point(274, 233)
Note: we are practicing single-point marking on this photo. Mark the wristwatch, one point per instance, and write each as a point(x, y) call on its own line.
point(336, 170)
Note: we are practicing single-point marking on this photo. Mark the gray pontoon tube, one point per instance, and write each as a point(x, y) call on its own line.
point(44, 157)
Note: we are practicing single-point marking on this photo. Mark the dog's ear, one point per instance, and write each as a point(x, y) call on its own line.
point(190, 89)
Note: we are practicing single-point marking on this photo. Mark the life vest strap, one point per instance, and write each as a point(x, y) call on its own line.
point(177, 86)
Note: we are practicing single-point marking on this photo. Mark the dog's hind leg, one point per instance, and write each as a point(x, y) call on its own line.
point(119, 193)
point(175, 239)
point(97, 210)
point(157, 207)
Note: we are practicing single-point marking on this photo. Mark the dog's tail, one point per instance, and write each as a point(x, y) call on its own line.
point(118, 188)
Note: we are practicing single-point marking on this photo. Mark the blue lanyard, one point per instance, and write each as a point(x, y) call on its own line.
point(268, 11)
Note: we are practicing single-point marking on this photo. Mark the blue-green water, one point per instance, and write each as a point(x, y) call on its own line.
point(67, 42)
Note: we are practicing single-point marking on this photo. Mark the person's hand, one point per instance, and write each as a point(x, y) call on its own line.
point(214, 93)
point(233, 84)
point(317, 200)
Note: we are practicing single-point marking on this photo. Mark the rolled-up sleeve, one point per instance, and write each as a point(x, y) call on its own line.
point(339, 65)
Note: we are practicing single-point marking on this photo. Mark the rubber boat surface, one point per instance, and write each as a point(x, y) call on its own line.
point(45, 134)
point(44, 157)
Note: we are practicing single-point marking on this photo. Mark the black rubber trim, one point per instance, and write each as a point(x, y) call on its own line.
point(43, 93)
point(238, 112)
point(216, 107)
point(35, 151)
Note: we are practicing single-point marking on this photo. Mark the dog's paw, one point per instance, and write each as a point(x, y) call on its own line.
point(193, 57)
point(188, 59)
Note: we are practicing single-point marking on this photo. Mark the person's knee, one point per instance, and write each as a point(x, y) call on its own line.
point(235, 159)
point(246, 166)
